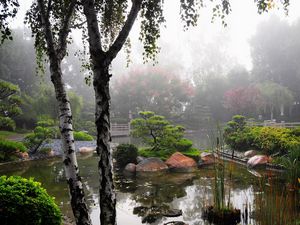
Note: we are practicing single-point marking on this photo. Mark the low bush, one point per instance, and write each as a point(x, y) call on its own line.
point(269, 140)
point(24, 201)
point(163, 154)
point(9, 148)
point(183, 144)
point(7, 123)
point(82, 136)
point(124, 154)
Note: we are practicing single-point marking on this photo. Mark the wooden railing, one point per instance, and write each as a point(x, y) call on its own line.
point(268, 123)
point(118, 129)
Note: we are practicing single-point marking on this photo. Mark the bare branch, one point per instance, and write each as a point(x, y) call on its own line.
point(123, 35)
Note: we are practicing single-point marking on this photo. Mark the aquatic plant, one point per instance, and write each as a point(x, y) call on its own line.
point(275, 205)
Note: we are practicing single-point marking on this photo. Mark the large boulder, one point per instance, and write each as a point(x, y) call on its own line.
point(85, 150)
point(207, 158)
point(181, 163)
point(130, 167)
point(151, 164)
point(250, 153)
point(258, 161)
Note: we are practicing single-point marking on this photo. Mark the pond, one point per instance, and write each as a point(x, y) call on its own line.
point(189, 192)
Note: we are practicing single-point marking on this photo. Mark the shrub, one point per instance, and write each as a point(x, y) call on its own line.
point(41, 135)
point(9, 148)
point(25, 202)
point(149, 152)
point(269, 140)
point(82, 136)
point(193, 153)
point(7, 123)
point(183, 144)
point(125, 153)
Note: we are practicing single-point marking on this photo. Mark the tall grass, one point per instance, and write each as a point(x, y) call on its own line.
point(275, 205)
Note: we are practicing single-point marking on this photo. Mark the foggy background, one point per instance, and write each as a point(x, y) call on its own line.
point(207, 73)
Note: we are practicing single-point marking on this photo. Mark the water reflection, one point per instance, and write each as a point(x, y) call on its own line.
point(189, 192)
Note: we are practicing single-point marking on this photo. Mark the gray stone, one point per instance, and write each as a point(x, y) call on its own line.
point(250, 153)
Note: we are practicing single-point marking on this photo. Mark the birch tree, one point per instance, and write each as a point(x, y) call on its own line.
point(106, 38)
point(50, 23)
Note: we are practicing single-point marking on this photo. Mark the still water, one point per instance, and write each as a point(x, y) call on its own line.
point(189, 192)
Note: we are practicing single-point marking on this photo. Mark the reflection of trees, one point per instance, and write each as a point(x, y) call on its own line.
point(153, 194)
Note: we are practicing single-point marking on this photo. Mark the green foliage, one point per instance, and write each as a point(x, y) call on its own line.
point(9, 9)
point(148, 152)
point(7, 124)
point(82, 136)
point(9, 148)
point(193, 153)
point(24, 201)
point(269, 140)
point(43, 133)
point(183, 145)
point(124, 154)
point(6, 134)
point(10, 103)
point(291, 162)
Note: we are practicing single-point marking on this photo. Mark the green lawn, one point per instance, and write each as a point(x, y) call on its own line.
point(11, 135)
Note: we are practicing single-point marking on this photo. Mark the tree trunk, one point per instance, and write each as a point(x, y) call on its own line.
point(102, 120)
point(78, 203)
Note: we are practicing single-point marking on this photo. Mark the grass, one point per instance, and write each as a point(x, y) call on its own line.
point(5, 134)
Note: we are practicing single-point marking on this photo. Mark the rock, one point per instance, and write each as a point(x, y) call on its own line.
point(84, 150)
point(130, 167)
point(250, 153)
point(176, 223)
point(258, 160)
point(172, 213)
point(179, 162)
point(151, 164)
point(140, 159)
point(207, 158)
point(22, 155)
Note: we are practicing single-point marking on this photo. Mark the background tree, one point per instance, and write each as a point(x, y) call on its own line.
point(10, 102)
point(246, 101)
point(151, 89)
point(276, 98)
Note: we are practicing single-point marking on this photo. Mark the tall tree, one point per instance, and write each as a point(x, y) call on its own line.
point(50, 24)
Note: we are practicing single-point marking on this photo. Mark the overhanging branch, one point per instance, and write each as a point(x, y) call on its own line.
point(123, 35)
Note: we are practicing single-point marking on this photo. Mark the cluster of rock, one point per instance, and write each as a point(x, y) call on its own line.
point(177, 163)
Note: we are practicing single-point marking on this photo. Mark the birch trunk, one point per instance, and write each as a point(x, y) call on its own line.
point(100, 65)
point(102, 120)
point(56, 52)
point(78, 203)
